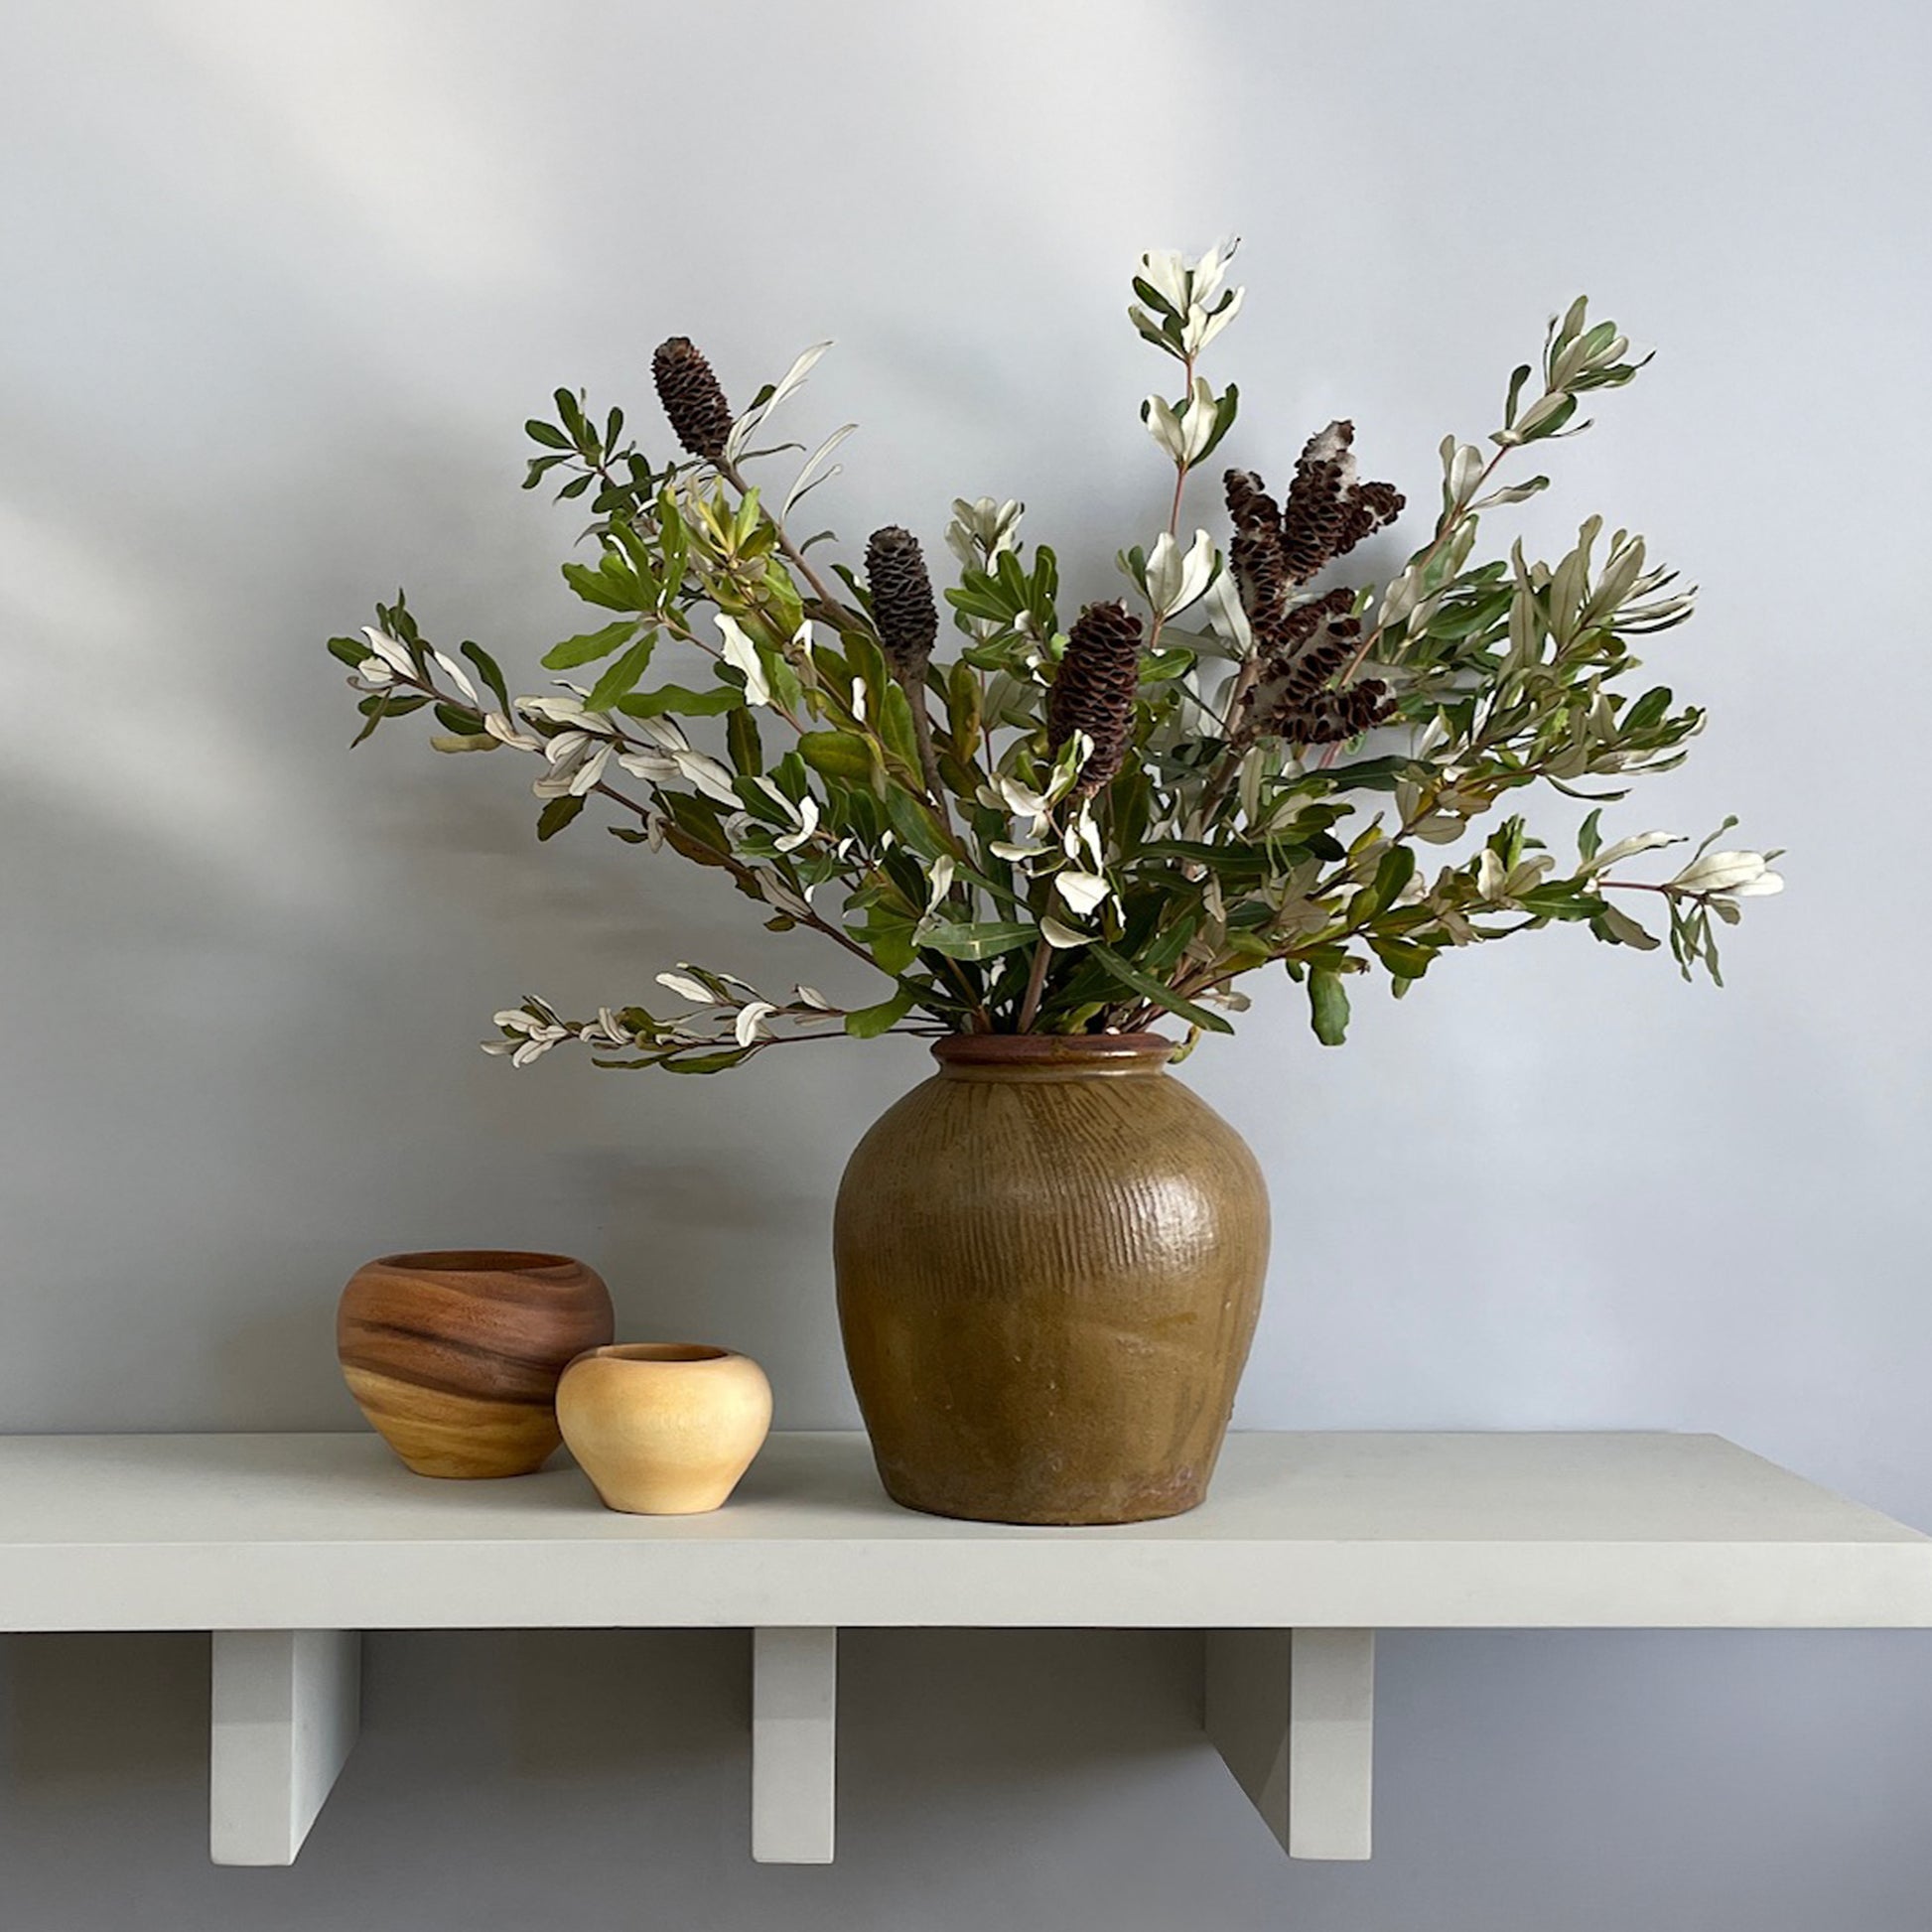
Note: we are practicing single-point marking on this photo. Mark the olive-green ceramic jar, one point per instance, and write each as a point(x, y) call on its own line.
point(1049, 1261)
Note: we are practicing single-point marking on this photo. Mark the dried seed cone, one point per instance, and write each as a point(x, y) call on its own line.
point(692, 397)
point(1093, 691)
point(1328, 512)
point(901, 599)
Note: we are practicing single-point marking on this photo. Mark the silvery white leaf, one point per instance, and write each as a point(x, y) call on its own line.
point(589, 772)
point(1062, 938)
point(393, 650)
point(940, 880)
point(1763, 887)
point(1226, 617)
point(686, 988)
point(1083, 890)
point(663, 734)
point(373, 671)
point(1214, 321)
point(1627, 848)
point(810, 995)
point(1721, 871)
point(810, 473)
point(505, 732)
point(1166, 272)
point(708, 776)
point(806, 814)
point(776, 893)
point(793, 377)
point(565, 747)
point(1164, 426)
point(655, 767)
point(749, 1024)
point(1202, 418)
point(742, 655)
point(458, 677)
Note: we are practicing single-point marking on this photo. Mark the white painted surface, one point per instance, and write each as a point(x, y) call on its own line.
point(1245, 1714)
point(1330, 1743)
point(794, 1746)
point(1357, 1531)
point(286, 1706)
point(1293, 1714)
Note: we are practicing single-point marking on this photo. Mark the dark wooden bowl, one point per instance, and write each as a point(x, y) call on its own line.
point(455, 1356)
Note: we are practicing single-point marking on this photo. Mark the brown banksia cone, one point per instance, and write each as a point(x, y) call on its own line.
point(1328, 512)
point(1093, 690)
point(901, 599)
point(692, 397)
point(1255, 556)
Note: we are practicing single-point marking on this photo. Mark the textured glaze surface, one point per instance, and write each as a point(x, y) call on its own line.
point(1049, 1269)
point(454, 1357)
point(664, 1429)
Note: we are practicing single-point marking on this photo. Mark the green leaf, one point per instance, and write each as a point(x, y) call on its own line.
point(743, 742)
point(888, 938)
point(556, 814)
point(589, 647)
point(1589, 841)
point(683, 701)
point(1406, 959)
point(352, 651)
point(870, 1021)
point(548, 434)
point(841, 755)
point(986, 940)
point(487, 669)
point(896, 724)
point(619, 677)
point(1327, 1006)
point(963, 708)
point(1149, 987)
point(708, 1063)
point(613, 584)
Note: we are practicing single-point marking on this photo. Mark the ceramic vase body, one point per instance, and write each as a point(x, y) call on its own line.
point(1050, 1262)
point(454, 1357)
point(664, 1429)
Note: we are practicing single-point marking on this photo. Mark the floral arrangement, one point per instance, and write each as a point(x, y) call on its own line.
point(1084, 826)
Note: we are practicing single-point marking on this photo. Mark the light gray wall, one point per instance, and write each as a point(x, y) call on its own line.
point(281, 284)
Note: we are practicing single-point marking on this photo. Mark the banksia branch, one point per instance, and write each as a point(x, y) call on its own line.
point(1095, 689)
point(692, 396)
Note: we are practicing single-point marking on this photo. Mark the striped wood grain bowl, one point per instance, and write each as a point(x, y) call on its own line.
point(454, 1357)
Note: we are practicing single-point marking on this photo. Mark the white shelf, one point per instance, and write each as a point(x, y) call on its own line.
point(1308, 1545)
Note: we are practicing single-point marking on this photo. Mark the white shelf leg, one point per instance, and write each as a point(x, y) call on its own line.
point(794, 1720)
point(287, 1704)
point(1291, 1713)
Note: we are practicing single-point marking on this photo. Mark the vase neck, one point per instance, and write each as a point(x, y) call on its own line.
point(1052, 1056)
